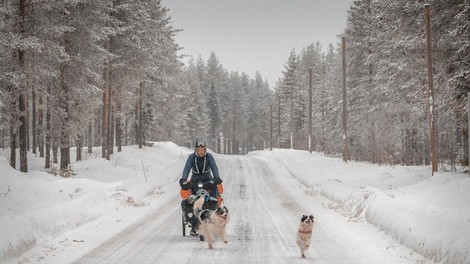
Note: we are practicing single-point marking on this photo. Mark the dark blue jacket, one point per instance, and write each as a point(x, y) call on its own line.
point(206, 165)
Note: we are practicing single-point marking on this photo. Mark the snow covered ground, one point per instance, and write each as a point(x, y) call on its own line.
point(427, 214)
point(127, 210)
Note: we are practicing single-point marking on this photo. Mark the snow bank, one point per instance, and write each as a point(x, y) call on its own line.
point(427, 214)
point(37, 207)
point(432, 218)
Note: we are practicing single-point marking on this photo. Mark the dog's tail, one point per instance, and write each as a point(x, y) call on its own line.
point(197, 208)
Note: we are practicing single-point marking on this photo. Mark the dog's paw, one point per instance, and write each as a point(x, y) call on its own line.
point(225, 241)
point(210, 247)
point(303, 256)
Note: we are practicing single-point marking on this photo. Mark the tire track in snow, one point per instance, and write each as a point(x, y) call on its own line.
point(264, 218)
point(114, 249)
point(279, 225)
point(234, 251)
point(335, 239)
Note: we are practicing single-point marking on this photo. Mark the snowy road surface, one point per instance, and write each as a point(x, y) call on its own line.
point(266, 204)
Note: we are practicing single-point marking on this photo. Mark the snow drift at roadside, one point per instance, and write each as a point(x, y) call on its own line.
point(427, 213)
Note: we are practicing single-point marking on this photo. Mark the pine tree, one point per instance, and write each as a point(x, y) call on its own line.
point(235, 117)
point(310, 57)
point(459, 64)
point(195, 108)
point(361, 74)
point(453, 75)
point(288, 90)
point(213, 86)
point(245, 114)
point(214, 117)
point(258, 120)
point(85, 25)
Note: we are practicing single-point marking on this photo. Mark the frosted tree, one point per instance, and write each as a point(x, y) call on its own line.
point(362, 95)
point(15, 42)
point(459, 67)
point(85, 25)
point(214, 117)
point(140, 74)
point(310, 57)
point(451, 53)
point(236, 128)
point(396, 94)
point(212, 88)
point(324, 95)
point(30, 52)
point(195, 106)
point(67, 54)
point(225, 102)
point(162, 65)
point(263, 95)
point(10, 79)
point(288, 90)
point(330, 109)
point(245, 113)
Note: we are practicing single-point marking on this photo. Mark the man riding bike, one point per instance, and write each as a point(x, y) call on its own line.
point(201, 164)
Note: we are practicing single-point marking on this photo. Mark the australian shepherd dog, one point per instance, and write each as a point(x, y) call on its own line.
point(212, 223)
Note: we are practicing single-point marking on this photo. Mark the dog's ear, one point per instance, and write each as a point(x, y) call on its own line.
point(303, 218)
point(226, 209)
point(311, 216)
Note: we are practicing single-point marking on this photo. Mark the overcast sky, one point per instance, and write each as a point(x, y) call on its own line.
point(256, 35)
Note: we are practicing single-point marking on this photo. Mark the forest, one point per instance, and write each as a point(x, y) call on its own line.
point(81, 74)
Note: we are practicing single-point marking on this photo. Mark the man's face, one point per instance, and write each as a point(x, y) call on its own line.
point(201, 151)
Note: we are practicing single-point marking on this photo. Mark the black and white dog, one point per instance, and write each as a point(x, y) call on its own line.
point(304, 234)
point(211, 223)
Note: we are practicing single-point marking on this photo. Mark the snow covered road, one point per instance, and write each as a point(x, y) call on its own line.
point(266, 204)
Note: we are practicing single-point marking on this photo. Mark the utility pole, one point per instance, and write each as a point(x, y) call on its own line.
point(310, 87)
point(291, 117)
point(109, 144)
point(271, 126)
point(432, 126)
point(279, 121)
point(104, 147)
point(345, 113)
point(140, 130)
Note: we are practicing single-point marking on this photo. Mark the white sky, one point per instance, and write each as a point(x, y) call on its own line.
point(256, 35)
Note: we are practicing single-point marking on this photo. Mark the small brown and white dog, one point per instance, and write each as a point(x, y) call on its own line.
point(211, 223)
point(304, 234)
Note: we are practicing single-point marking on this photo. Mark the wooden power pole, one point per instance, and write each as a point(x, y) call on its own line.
point(291, 117)
point(271, 126)
point(310, 87)
point(345, 113)
point(279, 121)
point(431, 113)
